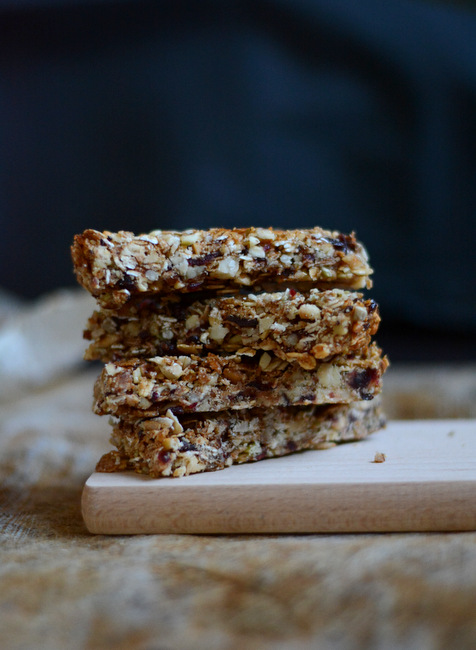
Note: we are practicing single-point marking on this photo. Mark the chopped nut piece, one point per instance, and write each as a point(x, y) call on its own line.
point(257, 251)
point(227, 268)
point(340, 329)
point(176, 426)
point(189, 238)
point(359, 313)
point(111, 369)
point(265, 324)
point(151, 275)
point(168, 368)
point(171, 444)
point(265, 360)
point(233, 375)
point(192, 322)
point(265, 234)
point(253, 241)
point(218, 333)
point(309, 312)
point(306, 361)
point(328, 375)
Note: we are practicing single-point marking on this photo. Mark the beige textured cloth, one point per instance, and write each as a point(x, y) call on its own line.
point(61, 587)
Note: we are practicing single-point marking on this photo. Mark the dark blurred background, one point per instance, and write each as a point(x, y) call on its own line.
point(287, 113)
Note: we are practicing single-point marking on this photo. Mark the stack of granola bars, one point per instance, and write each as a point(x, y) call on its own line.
point(227, 346)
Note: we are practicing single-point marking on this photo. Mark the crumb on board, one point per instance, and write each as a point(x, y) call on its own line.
point(379, 457)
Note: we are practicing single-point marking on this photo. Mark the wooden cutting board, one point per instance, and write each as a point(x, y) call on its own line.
point(426, 483)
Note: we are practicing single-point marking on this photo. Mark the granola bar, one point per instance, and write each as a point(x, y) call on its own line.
point(296, 327)
point(116, 266)
point(145, 388)
point(176, 446)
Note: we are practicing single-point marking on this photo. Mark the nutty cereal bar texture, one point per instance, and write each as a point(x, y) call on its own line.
point(296, 327)
point(115, 266)
point(146, 388)
point(175, 446)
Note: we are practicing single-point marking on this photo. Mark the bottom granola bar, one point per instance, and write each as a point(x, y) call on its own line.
point(172, 446)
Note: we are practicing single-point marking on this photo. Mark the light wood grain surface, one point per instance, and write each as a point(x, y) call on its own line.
point(427, 483)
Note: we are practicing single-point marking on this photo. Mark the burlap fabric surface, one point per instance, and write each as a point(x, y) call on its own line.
point(61, 587)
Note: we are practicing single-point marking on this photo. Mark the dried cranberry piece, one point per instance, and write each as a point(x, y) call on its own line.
point(361, 379)
point(259, 385)
point(204, 259)
point(163, 456)
point(372, 306)
point(127, 282)
point(146, 303)
point(187, 445)
point(344, 243)
point(242, 322)
point(177, 410)
point(194, 286)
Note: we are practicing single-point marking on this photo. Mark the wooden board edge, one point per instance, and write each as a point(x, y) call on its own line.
point(287, 509)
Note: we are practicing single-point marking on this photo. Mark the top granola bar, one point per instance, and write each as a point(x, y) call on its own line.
point(115, 266)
